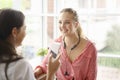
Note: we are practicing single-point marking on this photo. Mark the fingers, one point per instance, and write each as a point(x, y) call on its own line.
point(54, 60)
point(50, 58)
point(58, 57)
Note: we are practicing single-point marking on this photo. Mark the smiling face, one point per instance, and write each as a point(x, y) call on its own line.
point(67, 24)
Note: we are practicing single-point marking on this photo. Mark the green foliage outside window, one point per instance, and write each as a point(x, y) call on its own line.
point(42, 52)
point(6, 3)
point(112, 41)
point(112, 47)
point(111, 62)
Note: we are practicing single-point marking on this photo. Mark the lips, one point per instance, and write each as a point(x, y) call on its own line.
point(64, 31)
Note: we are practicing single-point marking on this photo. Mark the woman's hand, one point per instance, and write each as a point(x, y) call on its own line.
point(53, 65)
point(37, 72)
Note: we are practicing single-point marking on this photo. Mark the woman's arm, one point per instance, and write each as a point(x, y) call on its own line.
point(51, 68)
point(92, 71)
point(38, 72)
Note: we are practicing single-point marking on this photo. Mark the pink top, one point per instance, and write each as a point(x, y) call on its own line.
point(84, 67)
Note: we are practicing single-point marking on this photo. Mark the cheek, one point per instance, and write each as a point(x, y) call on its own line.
point(20, 38)
point(60, 28)
point(69, 27)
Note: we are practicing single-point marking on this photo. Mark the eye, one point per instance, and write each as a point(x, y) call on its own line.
point(59, 22)
point(67, 22)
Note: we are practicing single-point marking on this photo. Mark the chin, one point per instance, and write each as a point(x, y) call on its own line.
point(65, 34)
point(17, 45)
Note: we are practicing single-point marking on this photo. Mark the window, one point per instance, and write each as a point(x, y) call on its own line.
point(118, 4)
point(99, 20)
point(101, 4)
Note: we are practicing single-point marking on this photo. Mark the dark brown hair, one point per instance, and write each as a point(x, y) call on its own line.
point(9, 19)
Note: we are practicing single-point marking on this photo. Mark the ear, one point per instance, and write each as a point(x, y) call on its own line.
point(14, 32)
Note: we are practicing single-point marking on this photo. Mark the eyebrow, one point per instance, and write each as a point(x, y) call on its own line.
point(65, 20)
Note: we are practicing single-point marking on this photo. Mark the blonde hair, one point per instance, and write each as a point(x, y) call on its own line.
point(75, 18)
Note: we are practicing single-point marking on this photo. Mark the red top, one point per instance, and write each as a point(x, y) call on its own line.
point(84, 67)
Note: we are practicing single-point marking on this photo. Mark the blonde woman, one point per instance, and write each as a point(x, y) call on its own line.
point(78, 54)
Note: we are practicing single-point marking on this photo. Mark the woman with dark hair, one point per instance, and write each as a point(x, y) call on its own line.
point(12, 33)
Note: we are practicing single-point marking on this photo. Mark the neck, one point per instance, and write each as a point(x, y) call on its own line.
point(72, 42)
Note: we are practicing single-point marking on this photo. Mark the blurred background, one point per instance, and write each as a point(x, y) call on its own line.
point(99, 19)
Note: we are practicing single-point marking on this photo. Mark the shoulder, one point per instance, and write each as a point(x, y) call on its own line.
point(23, 63)
point(90, 48)
point(19, 70)
point(18, 64)
point(86, 43)
point(90, 43)
point(23, 67)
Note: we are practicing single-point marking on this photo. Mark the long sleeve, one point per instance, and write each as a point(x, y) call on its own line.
point(92, 70)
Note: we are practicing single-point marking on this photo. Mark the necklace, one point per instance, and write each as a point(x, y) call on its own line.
point(74, 45)
point(66, 72)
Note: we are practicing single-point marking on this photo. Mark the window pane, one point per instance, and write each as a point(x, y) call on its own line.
point(101, 3)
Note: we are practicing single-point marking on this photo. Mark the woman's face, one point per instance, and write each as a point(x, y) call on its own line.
point(67, 25)
point(20, 35)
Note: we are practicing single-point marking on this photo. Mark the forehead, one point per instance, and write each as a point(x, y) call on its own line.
point(65, 16)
